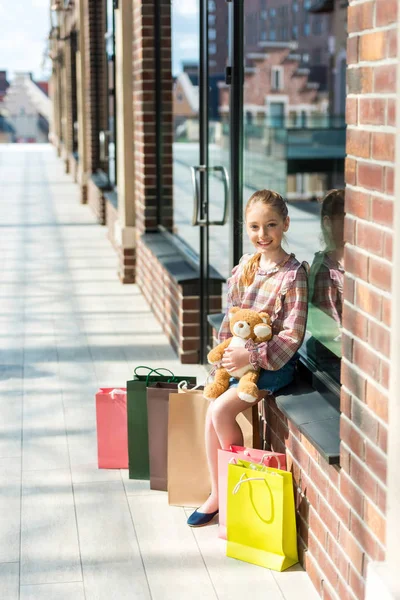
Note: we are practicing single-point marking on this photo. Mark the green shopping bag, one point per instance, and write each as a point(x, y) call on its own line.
point(138, 438)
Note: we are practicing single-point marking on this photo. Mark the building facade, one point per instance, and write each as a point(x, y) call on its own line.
point(163, 199)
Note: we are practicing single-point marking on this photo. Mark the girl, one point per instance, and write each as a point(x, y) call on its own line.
point(273, 281)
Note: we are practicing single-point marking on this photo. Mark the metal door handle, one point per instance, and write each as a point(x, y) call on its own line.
point(225, 178)
point(196, 204)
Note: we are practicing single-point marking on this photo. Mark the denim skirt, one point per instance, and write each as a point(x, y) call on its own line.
point(272, 381)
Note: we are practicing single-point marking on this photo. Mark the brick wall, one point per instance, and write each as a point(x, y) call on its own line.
point(175, 305)
point(341, 510)
point(94, 79)
point(144, 107)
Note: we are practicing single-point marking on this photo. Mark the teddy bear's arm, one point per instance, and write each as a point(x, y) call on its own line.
point(215, 355)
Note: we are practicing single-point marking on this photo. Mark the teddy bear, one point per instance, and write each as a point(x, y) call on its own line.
point(245, 324)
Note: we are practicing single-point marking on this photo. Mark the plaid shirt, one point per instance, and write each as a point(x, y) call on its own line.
point(326, 285)
point(282, 293)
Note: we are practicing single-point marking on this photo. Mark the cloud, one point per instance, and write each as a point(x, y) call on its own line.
point(185, 8)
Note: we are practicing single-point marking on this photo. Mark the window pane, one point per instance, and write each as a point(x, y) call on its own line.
point(185, 62)
point(294, 144)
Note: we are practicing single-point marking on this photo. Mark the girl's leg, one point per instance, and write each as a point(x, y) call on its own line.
point(212, 447)
point(223, 431)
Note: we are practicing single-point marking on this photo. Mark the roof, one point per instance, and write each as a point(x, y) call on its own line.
point(191, 91)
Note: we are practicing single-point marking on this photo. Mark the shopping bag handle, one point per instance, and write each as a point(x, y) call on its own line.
point(266, 455)
point(183, 387)
point(157, 371)
point(245, 479)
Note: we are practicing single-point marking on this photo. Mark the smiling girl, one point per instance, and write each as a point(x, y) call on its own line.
point(269, 280)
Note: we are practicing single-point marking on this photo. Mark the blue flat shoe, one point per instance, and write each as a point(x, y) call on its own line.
point(198, 519)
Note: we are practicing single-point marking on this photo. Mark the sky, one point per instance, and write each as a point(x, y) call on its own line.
point(24, 30)
point(25, 26)
point(185, 36)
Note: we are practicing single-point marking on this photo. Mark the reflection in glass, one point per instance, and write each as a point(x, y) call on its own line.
point(326, 284)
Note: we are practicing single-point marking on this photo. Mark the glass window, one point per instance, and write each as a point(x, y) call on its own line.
point(211, 20)
point(211, 5)
point(272, 35)
point(212, 34)
point(306, 29)
point(212, 48)
point(317, 25)
point(263, 36)
point(286, 149)
point(108, 137)
point(264, 14)
point(272, 12)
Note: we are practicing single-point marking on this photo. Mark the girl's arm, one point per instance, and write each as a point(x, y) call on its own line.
point(273, 355)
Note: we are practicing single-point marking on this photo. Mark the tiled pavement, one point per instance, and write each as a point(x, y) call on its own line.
point(67, 326)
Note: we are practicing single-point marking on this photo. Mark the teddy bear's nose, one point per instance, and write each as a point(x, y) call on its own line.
point(240, 324)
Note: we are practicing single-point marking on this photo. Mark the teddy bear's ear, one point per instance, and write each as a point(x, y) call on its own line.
point(232, 311)
point(265, 317)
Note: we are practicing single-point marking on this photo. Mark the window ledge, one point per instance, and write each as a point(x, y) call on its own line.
point(314, 417)
point(310, 411)
point(112, 197)
point(100, 180)
point(173, 261)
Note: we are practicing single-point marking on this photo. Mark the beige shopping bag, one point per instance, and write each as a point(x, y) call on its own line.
point(188, 476)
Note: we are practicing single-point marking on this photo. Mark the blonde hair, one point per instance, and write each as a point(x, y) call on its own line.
point(278, 204)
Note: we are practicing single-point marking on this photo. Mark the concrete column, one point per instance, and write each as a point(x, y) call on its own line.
point(124, 231)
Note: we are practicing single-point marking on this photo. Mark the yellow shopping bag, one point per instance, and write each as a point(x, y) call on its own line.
point(261, 521)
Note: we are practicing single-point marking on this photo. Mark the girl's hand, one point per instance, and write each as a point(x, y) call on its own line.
point(235, 358)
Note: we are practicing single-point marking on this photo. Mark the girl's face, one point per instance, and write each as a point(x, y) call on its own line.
point(265, 228)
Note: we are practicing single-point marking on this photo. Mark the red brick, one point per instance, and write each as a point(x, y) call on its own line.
point(329, 569)
point(364, 420)
point(360, 17)
point(369, 237)
point(347, 346)
point(382, 211)
point(357, 203)
point(362, 477)
point(391, 42)
point(386, 12)
point(386, 311)
point(338, 505)
point(368, 300)
point(352, 50)
point(318, 479)
point(317, 527)
point(357, 584)
point(385, 373)
point(314, 574)
point(379, 338)
point(360, 80)
point(351, 493)
point(372, 46)
point(328, 517)
point(388, 246)
point(382, 437)
point(355, 262)
point(345, 402)
point(345, 458)
point(365, 538)
point(349, 230)
point(380, 274)
point(351, 437)
point(381, 499)
point(389, 181)
point(353, 381)
point(366, 359)
point(350, 171)
point(391, 113)
point(370, 176)
point(309, 490)
point(372, 111)
point(376, 460)
point(383, 145)
point(385, 79)
point(349, 289)
point(351, 111)
point(353, 550)
point(358, 142)
point(337, 556)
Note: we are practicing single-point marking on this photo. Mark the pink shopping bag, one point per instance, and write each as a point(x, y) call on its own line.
point(269, 459)
point(112, 428)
